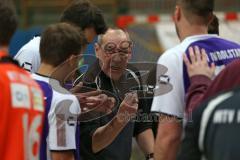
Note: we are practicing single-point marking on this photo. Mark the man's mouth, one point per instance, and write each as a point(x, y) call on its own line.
point(115, 68)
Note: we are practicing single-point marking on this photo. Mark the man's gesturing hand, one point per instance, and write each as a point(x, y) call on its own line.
point(128, 107)
point(93, 100)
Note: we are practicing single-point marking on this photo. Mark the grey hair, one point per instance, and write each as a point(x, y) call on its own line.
point(100, 39)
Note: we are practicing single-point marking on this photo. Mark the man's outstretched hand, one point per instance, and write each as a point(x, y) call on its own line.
point(198, 63)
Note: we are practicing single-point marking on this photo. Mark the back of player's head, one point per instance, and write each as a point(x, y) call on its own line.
point(213, 27)
point(8, 23)
point(197, 11)
point(59, 42)
point(84, 14)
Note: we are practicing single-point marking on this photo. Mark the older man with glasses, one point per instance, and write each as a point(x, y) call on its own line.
point(110, 136)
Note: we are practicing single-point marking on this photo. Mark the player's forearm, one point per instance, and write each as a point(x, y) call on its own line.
point(168, 138)
point(166, 149)
point(106, 134)
point(145, 141)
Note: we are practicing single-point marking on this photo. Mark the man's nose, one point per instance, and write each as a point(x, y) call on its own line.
point(117, 57)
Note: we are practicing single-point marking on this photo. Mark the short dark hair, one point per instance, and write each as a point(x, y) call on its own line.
point(200, 8)
point(8, 23)
point(84, 14)
point(213, 27)
point(59, 42)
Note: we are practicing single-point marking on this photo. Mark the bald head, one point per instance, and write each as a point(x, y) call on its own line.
point(111, 34)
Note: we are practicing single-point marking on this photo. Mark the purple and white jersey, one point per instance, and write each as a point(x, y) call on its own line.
point(62, 117)
point(220, 51)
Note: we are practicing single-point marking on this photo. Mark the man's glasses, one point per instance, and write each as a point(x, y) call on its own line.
point(125, 47)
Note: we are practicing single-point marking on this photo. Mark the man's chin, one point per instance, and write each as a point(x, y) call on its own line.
point(115, 75)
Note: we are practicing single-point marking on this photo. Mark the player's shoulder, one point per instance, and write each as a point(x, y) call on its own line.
point(228, 42)
point(32, 46)
point(224, 96)
point(174, 50)
point(13, 71)
point(214, 41)
point(7, 70)
point(33, 43)
point(177, 51)
point(62, 95)
point(217, 101)
point(58, 90)
point(172, 55)
point(16, 77)
point(39, 77)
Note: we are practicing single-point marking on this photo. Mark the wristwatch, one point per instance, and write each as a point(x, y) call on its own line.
point(149, 156)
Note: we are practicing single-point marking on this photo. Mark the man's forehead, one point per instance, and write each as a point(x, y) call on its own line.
point(115, 36)
point(115, 39)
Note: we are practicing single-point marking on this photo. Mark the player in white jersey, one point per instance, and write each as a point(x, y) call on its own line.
point(60, 46)
point(191, 19)
point(81, 13)
point(62, 131)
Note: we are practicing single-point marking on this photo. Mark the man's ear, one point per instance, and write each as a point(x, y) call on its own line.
point(72, 60)
point(129, 56)
point(96, 48)
point(177, 14)
point(210, 19)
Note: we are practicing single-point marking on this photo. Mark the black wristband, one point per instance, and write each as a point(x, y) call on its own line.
point(150, 155)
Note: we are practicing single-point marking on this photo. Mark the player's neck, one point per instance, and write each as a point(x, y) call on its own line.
point(45, 69)
point(193, 30)
point(52, 72)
